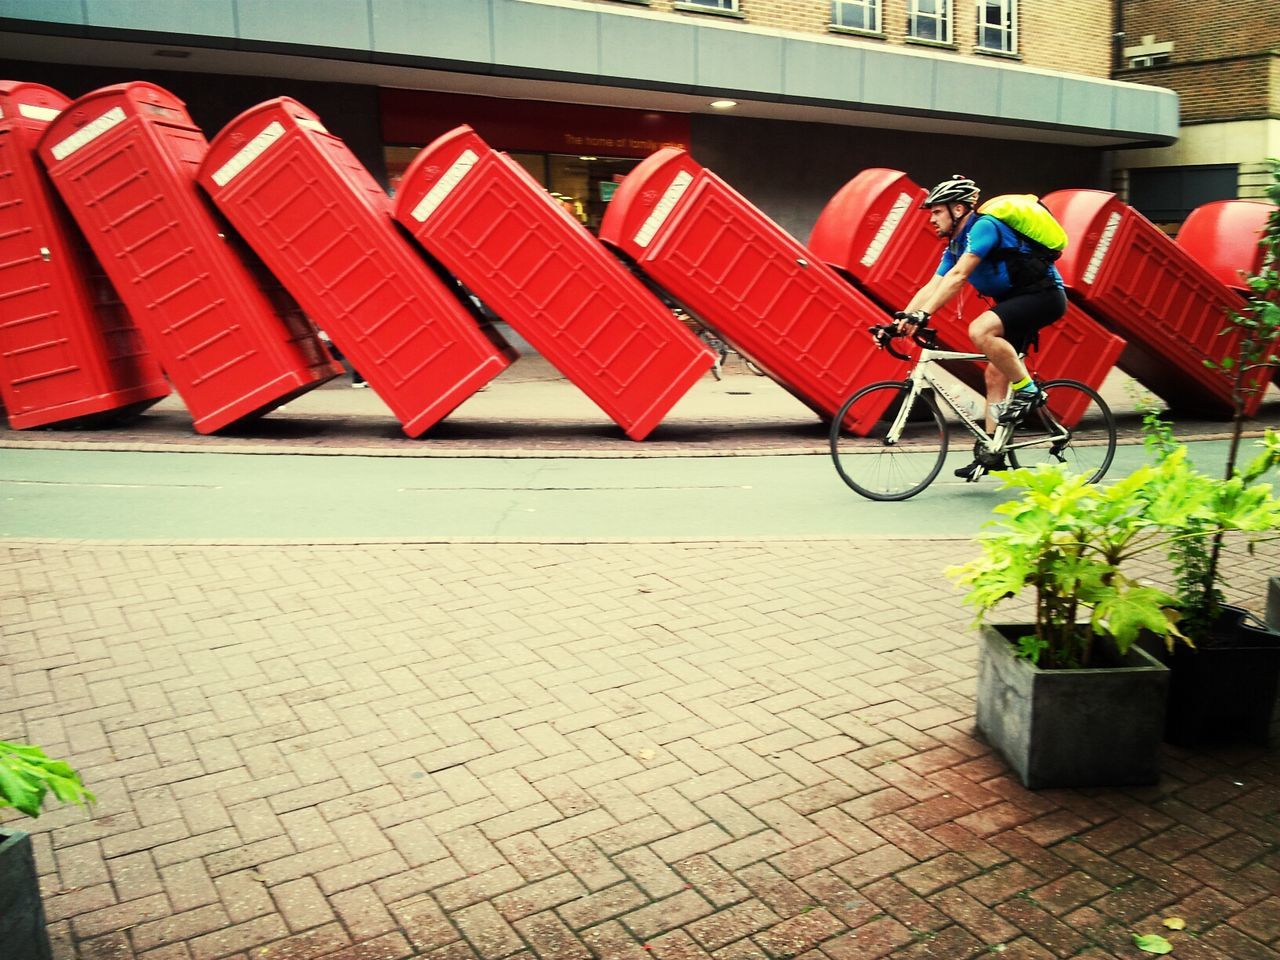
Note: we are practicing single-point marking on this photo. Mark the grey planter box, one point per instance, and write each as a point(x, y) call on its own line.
point(1099, 727)
point(22, 927)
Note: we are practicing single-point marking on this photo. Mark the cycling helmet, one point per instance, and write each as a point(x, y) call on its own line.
point(955, 189)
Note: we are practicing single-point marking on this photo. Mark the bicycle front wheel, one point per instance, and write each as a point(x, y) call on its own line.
point(874, 463)
point(1074, 427)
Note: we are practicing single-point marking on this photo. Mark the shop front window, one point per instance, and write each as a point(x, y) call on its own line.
point(583, 185)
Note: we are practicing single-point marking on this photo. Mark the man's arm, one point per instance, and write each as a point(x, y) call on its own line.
point(924, 293)
point(937, 293)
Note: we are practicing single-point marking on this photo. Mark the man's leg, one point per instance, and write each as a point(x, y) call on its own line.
point(997, 388)
point(987, 334)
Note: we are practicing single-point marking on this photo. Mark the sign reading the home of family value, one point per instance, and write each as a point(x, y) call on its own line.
point(415, 117)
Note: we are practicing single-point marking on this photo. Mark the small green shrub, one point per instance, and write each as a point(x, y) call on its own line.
point(27, 775)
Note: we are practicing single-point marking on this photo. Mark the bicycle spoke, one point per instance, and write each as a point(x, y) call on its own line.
point(877, 466)
point(1075, 429)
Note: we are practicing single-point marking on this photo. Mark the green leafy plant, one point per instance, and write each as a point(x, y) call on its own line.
point(27, 775)
point(1196, 558)
point(1257, 327)
point(1069, 542)
point(1194, 555)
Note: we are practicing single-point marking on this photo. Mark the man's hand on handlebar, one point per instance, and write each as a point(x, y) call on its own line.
point(913, 324)
point(914, 318)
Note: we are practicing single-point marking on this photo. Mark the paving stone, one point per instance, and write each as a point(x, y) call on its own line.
point(667, 914)
point(599, 907)
point(877, 938)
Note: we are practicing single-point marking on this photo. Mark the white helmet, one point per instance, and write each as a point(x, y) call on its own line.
point(956, 189)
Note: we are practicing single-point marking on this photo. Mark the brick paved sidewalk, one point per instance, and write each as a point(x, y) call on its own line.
point(622, 750)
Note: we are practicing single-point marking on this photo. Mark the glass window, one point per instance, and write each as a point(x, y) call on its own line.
point(856, 14)
point(998, 25)
point(1167, 195)
point(930, 20)
point(583, 185)
point(713, 4)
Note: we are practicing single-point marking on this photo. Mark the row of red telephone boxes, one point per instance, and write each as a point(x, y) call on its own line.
point(116, 272)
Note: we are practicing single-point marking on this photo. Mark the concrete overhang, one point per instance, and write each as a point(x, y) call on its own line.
point(573, 52)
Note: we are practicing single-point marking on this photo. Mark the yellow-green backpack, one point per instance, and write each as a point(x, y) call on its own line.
point(1025, 213)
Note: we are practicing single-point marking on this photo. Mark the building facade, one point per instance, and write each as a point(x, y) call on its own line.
point(1026, 31)
point(785, 99)
point(1222, 57)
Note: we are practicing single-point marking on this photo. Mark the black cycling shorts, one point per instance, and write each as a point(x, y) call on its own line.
point(1024, 314)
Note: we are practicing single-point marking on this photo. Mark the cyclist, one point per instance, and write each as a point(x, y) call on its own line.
point(1005, 267)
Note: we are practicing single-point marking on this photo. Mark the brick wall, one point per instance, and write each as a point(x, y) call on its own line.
point(1239, 88)
point(1223, 63)
point(1206, 30)
point(1072, 36)
point(1274, 85)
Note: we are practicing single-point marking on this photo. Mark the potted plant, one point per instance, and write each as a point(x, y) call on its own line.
point(1069, 698)
point(1223, 681)
point(1223, 684)
point(26, 777)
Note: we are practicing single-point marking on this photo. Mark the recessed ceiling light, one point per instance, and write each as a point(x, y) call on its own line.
point(723, 104)
point(588, 158)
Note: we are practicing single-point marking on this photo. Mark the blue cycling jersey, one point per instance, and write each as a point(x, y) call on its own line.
point(981, 235)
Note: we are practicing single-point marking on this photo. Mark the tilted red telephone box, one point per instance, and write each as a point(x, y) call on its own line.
point(747, 278)
point(1223, 238)
point(1126, 272)
point(489, 223)
point(874, 231)
point(315, 216)
point(68, 349)
point(124, 159)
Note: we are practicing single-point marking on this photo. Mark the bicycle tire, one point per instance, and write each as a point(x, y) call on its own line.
point(1091, 446)
point(874, 469)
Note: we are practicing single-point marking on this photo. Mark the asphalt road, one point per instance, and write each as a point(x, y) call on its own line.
point(49, 494)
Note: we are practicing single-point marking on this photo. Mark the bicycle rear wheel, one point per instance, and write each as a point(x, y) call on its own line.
point(1089, 443)
point(866, 459)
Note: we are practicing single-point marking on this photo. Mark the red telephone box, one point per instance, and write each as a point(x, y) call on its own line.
point(68, 350)
point(743, 275)
point(1223, 238)
point(1124, 270)
point(874, 231)
point(315, 216)
point(482, 216)
point(124, 158)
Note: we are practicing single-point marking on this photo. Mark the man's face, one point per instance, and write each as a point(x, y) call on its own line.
point(943, 218)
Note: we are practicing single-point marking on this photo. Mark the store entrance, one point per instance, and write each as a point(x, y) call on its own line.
point(583, 184)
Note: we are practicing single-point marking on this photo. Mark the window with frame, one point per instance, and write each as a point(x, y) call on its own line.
point(998, 25)
point(856, 15)
point(730, 5)
point(929, 20)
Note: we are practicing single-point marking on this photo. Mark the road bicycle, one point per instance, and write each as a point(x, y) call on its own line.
point(889, 439)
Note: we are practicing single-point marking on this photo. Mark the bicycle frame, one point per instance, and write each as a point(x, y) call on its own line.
point(922, 378)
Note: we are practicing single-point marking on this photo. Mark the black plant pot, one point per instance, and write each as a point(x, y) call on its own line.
point(1224, 691)
point(22, 927)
